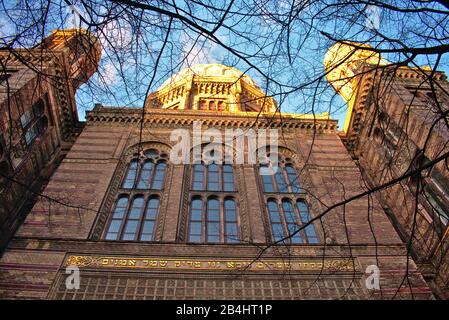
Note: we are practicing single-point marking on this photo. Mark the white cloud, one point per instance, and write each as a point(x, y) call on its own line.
point(115, 35)
point(109, 74)
point(200, 52)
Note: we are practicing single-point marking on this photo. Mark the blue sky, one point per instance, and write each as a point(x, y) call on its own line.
point(291, 58)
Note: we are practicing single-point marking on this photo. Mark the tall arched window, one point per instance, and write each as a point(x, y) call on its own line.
point(136, 209)
point(213, 214)
point(286, 208)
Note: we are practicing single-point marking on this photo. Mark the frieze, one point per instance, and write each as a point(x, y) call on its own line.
point(211, 264)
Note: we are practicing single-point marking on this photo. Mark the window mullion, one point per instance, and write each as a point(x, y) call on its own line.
point(125, 216)
point(205, 175)
point(283, 221)
point(142, 218)
point(220, 177)
point(204, 220)
point(300, 223)
point(153, 173)
point(138, 173)
point(222, 221)
point(287, 180)
point(273, 181)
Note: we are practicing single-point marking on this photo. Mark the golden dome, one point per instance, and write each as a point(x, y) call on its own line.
point(211, 71)
point(211, 87)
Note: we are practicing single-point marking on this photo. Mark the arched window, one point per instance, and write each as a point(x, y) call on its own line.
point(148, 173)
point(287, 211)
point(136, 210)
point(133, 220)
point(280, 179)
point(213, 215)
point(213, 220)
point(286, 219)
point(34, 122)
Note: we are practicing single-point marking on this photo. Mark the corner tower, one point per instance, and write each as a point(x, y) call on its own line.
point(397, 123)
point(38, 116)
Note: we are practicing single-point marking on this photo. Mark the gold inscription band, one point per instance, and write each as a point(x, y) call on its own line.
point(211, 264)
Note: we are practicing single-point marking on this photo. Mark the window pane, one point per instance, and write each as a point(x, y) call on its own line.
point(111, 236)
point(130, 178)
point(213, 238)
point(128, 236)
point(120, 208)
point(196, 224)
point(230, 210)
point(195, 238)
point(289, 212)
point(292, 227)
point(148, 227)
point(213, 182)
point(151, 153)
point(280, 181)
point(198, 176)
point(31, 134)
point(196, 228)
point(273, 211)
point(278, 232)
point(152, 209)
point(145, 175)
point(213, 210)
point(136, 208)
point(313, 240)
point(146, 237)
point(114, 227)
point(293, 178)
point(131, 226)
point(228, 178)
point(159, 176)
point(310, 230)
point(26, 118)
point(267, 182)
point(213, 228)
point(231, 230)
point(303, 211)
point(196, 211)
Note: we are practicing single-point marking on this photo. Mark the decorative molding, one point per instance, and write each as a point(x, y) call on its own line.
point(114, 188)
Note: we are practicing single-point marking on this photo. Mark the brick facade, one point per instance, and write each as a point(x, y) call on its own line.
point(71, 231)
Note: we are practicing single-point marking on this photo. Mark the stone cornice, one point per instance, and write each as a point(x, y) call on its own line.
point(132, 117)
